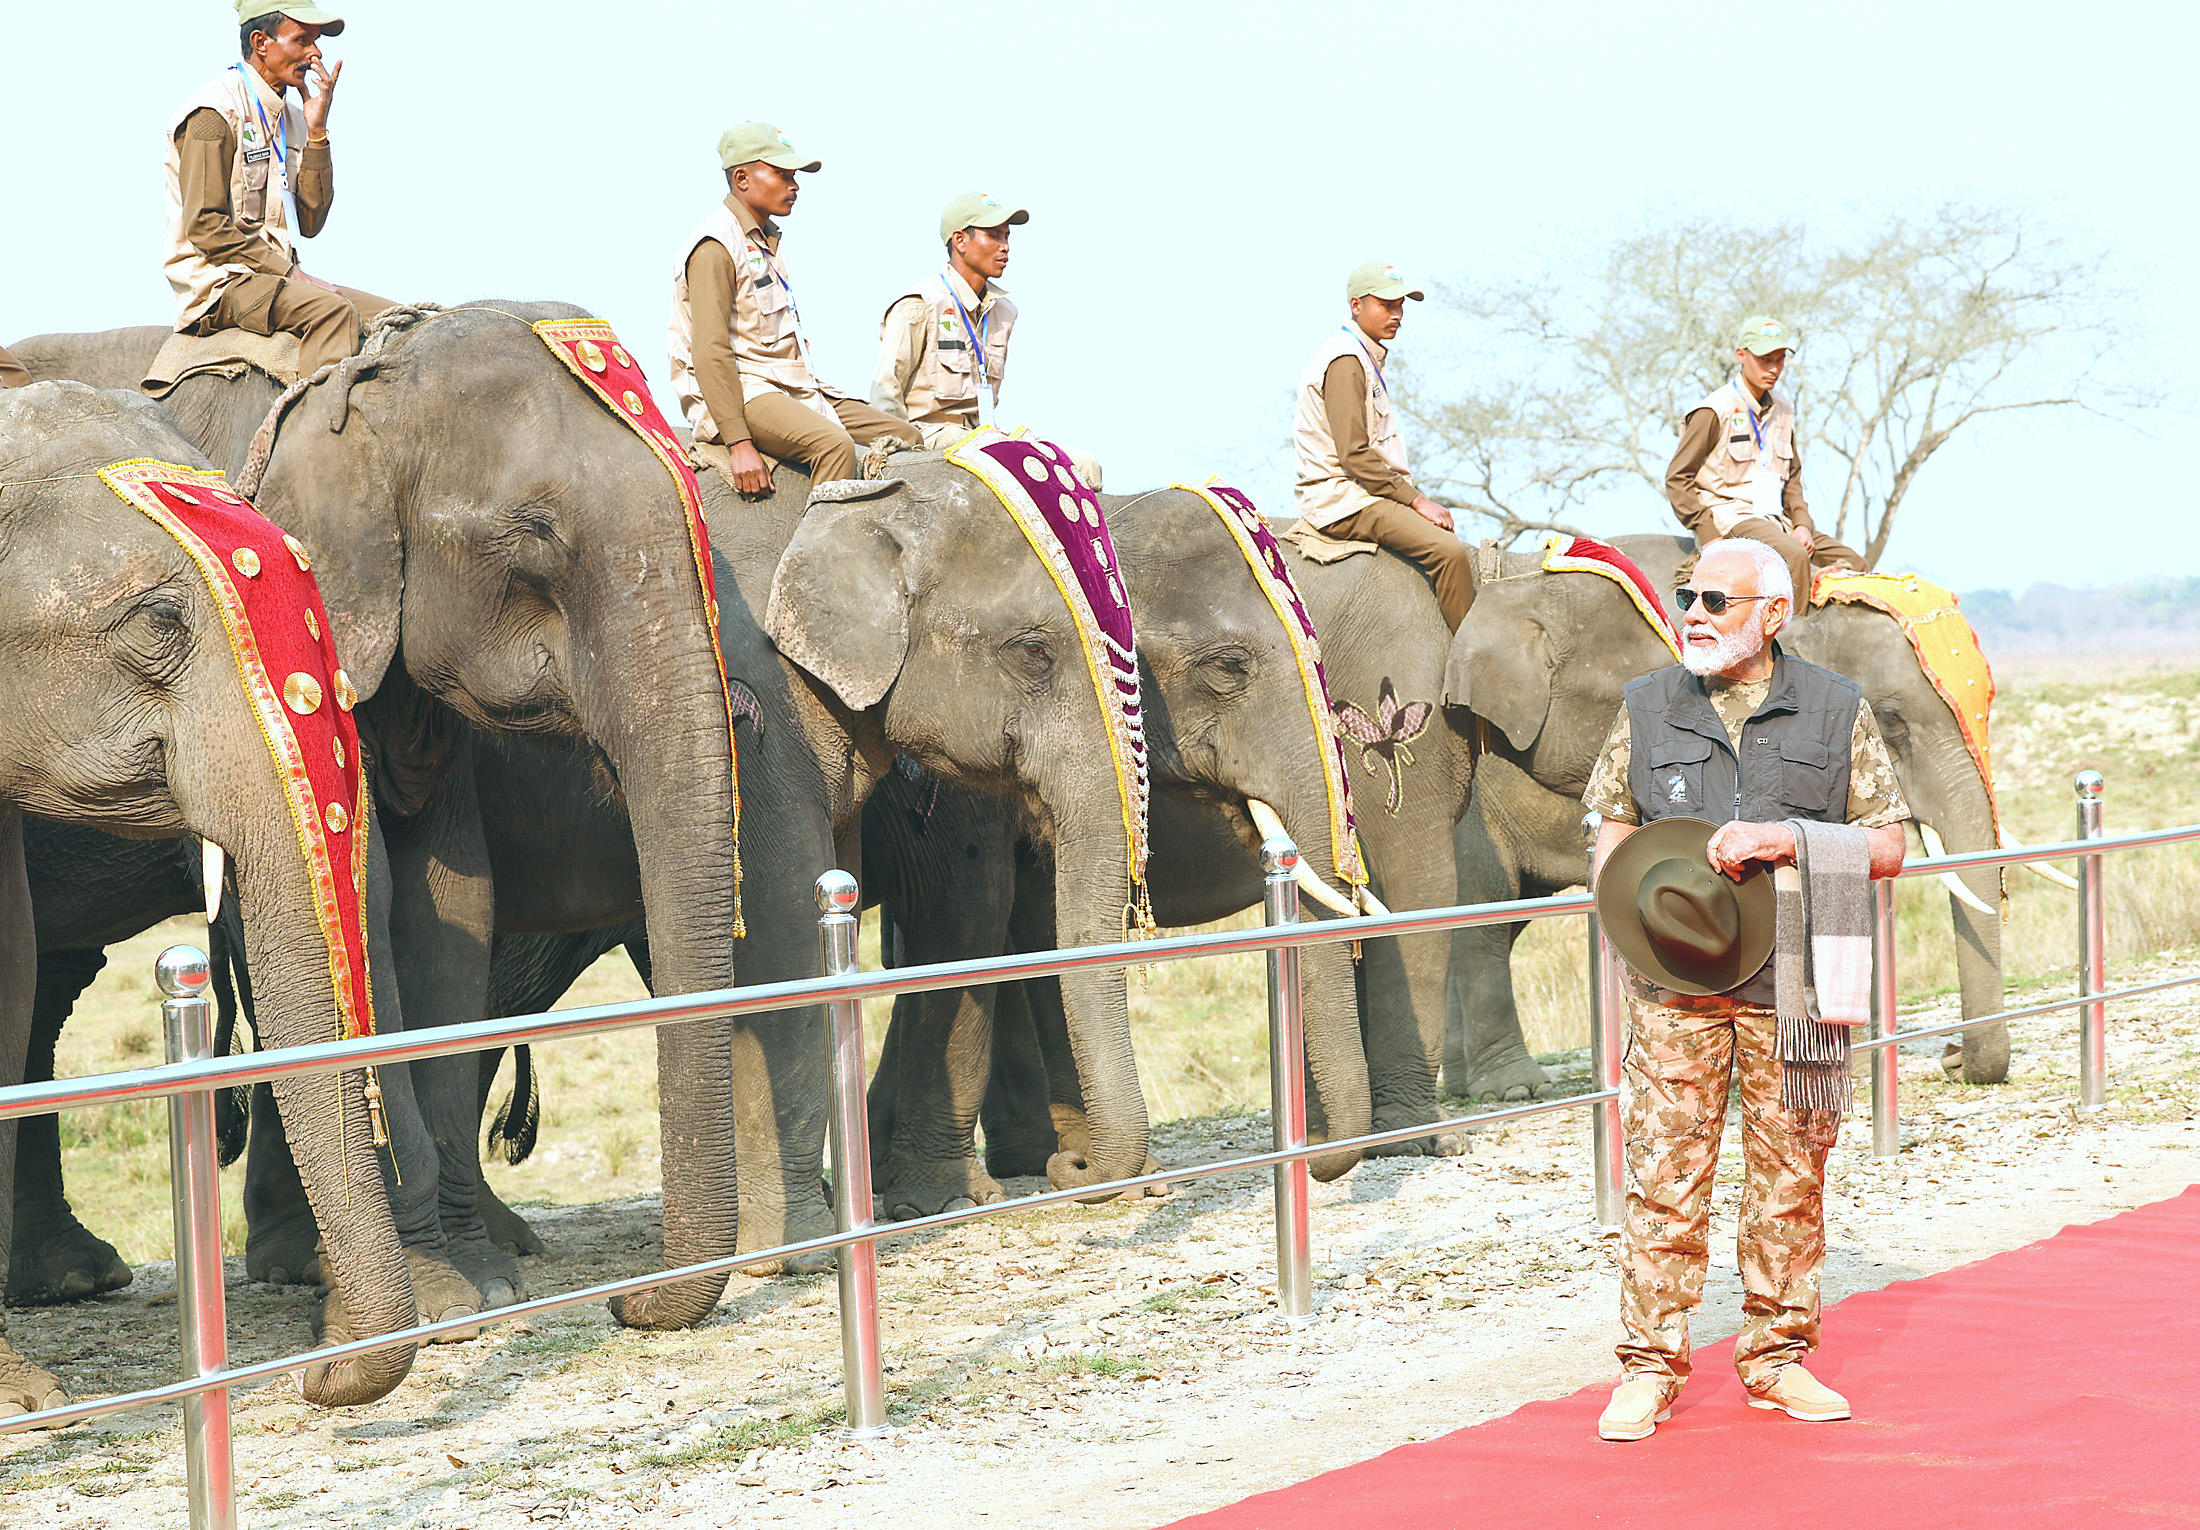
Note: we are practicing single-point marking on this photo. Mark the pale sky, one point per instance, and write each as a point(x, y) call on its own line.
point(1201, 177)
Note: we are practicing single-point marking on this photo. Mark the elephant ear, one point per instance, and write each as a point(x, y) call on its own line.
point(330, 491)
point(1499, 668)
point(839, 604)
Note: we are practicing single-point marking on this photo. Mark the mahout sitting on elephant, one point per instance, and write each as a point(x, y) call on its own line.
point(168, 669)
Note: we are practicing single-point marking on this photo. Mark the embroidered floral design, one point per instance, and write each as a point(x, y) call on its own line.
point(1385, 739)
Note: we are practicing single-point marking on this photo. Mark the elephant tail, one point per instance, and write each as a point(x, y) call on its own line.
point(520, 1116)
point(232, 992)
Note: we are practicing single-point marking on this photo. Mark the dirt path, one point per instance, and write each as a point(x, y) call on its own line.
point(1113, 1366)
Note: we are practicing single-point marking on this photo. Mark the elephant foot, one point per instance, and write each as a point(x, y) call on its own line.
point(1072, 1132)
point(1155, 1192)
point(285, 1253)
point(1978, 1057)
point(24, 1388)
point(442, 1290)
point(1444, 1144)
point(1511, 1076)
point(799, 1228)
point(60, 1260)
point(1018, 1159)
point(919, 1189)
point(489, 1269)
point(507, 1229)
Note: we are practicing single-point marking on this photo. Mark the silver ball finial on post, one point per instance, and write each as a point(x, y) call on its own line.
point(837, 893)
point(2090, 786)
point(1279, 856)
point(182, 972)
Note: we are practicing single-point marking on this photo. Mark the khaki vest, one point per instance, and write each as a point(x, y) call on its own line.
point(943, 390)
point(768, 352)
point(1724, 482)
point(255, 194)
point(1327, 493)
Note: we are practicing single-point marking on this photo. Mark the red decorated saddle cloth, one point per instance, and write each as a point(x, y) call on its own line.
point(1563, 554)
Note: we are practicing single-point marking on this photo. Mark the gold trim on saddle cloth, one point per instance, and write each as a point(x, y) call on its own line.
point(250, 566)
point(1003, 462)
point(591, 352)
point(1256, 543)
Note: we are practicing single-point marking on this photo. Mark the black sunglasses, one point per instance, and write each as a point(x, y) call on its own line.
point(1714, 601)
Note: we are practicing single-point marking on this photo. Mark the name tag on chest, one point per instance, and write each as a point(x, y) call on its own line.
point(255, 156)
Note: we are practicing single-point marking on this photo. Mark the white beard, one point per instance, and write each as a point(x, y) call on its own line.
point(1735, 648)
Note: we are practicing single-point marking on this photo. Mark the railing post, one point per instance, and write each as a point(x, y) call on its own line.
point(1279, 858)
point(862, 1374)
point(1607, 1045)
point(2092, 949)
point(202, 1320)
point(1886, 993)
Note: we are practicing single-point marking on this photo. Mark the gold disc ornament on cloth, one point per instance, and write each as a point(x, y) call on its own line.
point(248, 562)
point(632, 401)
point(339, 747)
point(591, 355)
point(302, 694)
point(298, 551)
point(338, 819)
point(313, 624)
point(346, 697)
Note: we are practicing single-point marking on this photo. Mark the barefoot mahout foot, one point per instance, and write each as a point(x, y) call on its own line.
point(24, 1388)
point(1636, 1409)
point(1797, 1393)
point(61, 1261)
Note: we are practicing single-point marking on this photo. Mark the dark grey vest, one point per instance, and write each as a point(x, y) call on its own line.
point(1794, 760)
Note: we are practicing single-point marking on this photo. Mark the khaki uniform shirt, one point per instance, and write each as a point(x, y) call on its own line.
point(926, 372)
point(735, 330)
point(1709, 475)
point(1343, 472)
point(226, 218)
point(1875, 800)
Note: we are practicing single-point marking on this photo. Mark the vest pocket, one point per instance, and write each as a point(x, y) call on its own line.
point(1677, 786)
point(1808, 775)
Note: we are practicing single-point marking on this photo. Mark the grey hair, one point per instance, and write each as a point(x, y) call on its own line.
point(270, 24)
point(1773, 577)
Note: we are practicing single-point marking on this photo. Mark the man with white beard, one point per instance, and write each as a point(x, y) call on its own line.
point(1742, 735)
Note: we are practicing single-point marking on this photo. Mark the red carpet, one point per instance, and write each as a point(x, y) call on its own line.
point(2055, 1385)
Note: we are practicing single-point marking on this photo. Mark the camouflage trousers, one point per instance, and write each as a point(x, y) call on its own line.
point(1673, 1092)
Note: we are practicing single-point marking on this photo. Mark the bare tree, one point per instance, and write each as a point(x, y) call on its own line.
point(1568, 388)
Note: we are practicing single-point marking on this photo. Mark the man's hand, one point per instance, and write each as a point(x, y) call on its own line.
point(1737, 844)
point(1803, 535)
point(751, 473)
point(1429, 510)
point(317, 102)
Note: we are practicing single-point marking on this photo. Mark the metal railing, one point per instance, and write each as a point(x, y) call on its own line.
point(191, 1073)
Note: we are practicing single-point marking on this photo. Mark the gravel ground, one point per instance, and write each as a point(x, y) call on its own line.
point(1109, 1366)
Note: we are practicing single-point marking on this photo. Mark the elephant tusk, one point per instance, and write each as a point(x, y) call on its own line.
point(1270, 824)
point(1370, 904)
point(211, 869)
point(2054, 874)
point(1934, 848)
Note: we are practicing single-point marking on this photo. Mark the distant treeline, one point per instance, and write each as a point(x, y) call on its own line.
point(2124, 618)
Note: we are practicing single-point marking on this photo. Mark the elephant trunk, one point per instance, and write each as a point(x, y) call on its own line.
point(324, 1115)
point(1091, 891)
point(1946, 790)
point(673, 755)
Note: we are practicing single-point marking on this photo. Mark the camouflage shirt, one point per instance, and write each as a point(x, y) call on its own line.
point(1874, 799)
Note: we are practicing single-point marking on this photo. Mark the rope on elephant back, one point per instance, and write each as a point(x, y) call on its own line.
point(874, 460)
point(347, 372)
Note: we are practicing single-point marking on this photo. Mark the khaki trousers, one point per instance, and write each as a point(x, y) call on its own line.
point(785, 427)
point(1803, 566)
point(1673, 1095)
point(328, 324)
point(12, 374)
point(1407, 532)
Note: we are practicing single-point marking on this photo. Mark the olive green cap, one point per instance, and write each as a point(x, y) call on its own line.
point(753, 141)
point(977, 209)
point(1376, 279)
point(1762, 334)
point(305, 15)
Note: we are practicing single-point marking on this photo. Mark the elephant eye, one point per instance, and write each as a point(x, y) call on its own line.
point(1030, 656)
point(1226, 671)
point(155, 636)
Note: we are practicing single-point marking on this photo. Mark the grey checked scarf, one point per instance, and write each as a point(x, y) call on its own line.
point(1822, 950)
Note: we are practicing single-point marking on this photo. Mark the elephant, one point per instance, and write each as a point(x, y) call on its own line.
point(502, 554)
point(1541, 659)
point(126, 710)
point(1231, 736)
point(860, 620)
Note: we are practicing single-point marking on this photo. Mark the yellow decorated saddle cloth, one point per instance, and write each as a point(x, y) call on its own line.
point(1946, 647)
point(225, 352)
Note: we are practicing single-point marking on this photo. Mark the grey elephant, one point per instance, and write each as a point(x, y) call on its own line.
point(503, 550)
point(1235, 756)
point(128, 708)
point(901, 616)
point(1542, 657)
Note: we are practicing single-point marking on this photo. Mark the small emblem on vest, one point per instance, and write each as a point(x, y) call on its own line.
point(1676, 787)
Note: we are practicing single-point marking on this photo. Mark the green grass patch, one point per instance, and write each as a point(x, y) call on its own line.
point(735, 1441)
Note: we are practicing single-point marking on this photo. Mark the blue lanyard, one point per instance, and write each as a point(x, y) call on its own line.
point(776, 270)
point(1749, 412)
point(976, 334)
point(1361, 340)
point(278, 142)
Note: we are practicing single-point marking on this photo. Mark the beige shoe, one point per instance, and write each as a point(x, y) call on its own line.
point(1799, 1394)
point(1636, 1409)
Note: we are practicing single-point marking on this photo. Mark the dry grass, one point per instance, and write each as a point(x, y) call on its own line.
point(1201, 1027)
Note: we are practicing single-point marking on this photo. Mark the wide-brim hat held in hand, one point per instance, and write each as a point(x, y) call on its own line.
point(1675, 920)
